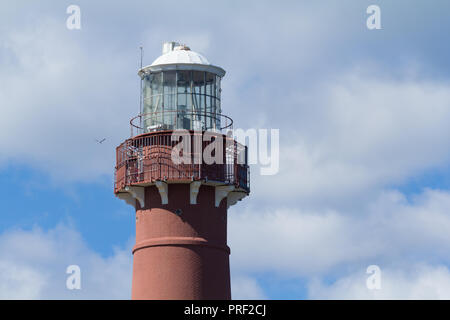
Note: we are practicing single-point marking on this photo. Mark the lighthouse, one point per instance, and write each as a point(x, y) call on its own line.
point(181, 170)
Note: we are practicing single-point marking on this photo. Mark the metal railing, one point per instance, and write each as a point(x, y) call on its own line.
point(148, 158)
point(180, 119)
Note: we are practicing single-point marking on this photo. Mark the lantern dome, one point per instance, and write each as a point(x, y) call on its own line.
point(180, 57)
point(181, 54)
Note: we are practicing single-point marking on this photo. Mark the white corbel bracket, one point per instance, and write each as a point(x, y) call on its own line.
point(128, 198)
point(163, 189)
point(222, 192)
point(234, 197)
point(132, 194)
point(195, 186)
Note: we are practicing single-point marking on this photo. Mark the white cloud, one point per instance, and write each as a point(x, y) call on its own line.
point(33, 266)
point(245, 287)
point(357, 135)
point(20, 281)
point(294, 243)
point(57, 99)
point(297, 243)
point(419, 281)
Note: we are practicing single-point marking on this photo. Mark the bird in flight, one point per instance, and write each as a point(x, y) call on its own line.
point(100, 141)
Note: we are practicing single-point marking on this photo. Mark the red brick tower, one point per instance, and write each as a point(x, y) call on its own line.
point(181, 172)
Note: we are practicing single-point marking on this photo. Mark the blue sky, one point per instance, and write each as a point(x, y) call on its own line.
point(364, 142)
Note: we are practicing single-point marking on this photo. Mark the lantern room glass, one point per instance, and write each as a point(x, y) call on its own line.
point(181, 99)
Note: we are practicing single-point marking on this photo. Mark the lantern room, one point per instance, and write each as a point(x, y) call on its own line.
point(181, 90)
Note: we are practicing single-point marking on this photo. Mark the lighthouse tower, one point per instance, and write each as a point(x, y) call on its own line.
point(181, 172)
